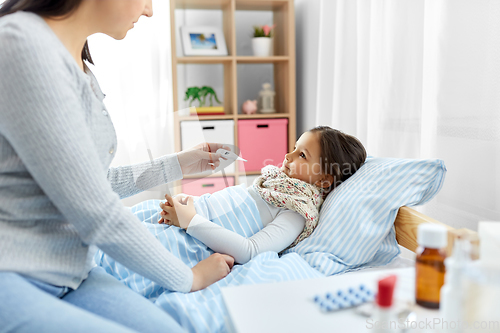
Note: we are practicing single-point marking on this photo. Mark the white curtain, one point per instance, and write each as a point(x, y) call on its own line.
point(419, 79)
point(135, 74)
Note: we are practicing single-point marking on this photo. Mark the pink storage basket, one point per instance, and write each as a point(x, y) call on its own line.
point(262, 142)
point(201, 186)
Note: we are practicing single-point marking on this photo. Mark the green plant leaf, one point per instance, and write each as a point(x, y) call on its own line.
point(258, 32)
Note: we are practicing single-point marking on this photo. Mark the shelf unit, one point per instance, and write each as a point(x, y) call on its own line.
point(283, 63)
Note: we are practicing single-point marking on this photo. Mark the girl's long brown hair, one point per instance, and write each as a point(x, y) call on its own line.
point(341, 154)
point(46, 8)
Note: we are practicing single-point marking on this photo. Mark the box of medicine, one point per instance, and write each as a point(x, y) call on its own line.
point(211, 131)
point(262, 142)
point(200, 186)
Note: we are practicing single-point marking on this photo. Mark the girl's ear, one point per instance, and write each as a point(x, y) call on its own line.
point(325, 182)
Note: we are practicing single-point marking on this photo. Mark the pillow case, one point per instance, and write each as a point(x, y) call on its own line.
point(356, 222)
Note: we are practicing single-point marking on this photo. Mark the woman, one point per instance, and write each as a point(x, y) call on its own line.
point(58, 199)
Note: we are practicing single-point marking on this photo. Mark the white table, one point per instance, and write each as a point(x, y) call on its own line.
point(289, 306)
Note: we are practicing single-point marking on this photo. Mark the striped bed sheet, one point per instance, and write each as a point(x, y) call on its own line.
point(203, 311)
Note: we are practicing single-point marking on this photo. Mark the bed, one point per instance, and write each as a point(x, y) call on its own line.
point(406, 225)
point(366, 223)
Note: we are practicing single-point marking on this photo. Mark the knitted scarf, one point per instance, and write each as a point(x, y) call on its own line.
point(279, 190)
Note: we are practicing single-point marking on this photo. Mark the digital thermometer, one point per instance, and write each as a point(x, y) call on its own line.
point(227, 158)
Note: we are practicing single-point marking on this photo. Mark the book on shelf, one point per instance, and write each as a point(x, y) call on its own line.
point(207, 111)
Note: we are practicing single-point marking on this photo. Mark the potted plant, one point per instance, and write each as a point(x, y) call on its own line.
point(201, 94)
point(262, 41)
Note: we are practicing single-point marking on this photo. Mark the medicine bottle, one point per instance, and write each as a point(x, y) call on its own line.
point(429, 266)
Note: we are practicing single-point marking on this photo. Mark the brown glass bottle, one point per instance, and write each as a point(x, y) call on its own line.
point(429, 276)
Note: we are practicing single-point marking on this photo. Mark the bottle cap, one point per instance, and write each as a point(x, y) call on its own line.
point(433, 236)
point(386, 290)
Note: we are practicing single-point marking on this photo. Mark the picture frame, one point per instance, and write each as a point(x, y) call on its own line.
point(203, 41)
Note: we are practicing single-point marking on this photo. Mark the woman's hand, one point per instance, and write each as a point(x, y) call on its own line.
point(211, 270)
point(200, 158)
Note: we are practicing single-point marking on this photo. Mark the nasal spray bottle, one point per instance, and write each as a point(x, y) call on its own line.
point(451, 300)
point(385, 317)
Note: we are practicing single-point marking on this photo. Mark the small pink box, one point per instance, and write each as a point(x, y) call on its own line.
point(200, 186)
point(262, 142)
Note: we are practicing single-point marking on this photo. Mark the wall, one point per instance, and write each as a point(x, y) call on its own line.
point(307, 47)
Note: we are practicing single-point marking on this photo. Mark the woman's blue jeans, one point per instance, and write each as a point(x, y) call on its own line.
point(100, 304)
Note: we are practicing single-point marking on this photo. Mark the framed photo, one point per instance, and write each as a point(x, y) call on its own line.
point(203, 41)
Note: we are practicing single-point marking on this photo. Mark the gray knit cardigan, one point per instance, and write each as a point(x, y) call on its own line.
point(59, 199)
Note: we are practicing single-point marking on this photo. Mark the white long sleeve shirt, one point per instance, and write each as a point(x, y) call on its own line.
point(281, 227)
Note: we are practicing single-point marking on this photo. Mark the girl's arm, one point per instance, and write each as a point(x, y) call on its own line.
point(276, 236)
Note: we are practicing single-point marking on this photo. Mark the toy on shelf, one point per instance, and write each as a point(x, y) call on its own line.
point(267, 99)
point(249, 107)
point(201, 94)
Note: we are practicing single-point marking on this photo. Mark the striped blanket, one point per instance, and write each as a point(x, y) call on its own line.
point(203, 311)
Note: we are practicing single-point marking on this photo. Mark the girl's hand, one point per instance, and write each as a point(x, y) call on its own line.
point(184, 207)
point(211, 270)
point(169, 215)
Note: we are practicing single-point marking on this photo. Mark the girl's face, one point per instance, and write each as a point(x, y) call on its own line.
point(116, 17)
point(304, 162)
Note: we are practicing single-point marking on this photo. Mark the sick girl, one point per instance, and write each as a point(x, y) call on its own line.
point(287, 199)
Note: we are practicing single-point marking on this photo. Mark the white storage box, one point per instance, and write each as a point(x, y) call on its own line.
point(215, 131)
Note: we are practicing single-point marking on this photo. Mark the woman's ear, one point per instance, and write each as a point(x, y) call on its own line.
point(325, 182)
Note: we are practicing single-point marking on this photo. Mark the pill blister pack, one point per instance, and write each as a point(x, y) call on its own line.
point(343, 299)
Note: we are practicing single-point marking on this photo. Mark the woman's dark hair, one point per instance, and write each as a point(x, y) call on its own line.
point(46, 8)
point(341, 154)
